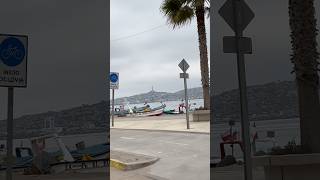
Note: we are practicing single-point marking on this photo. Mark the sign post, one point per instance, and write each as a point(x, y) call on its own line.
point(184, 66)
point(10, 134)
point(112, 107)
point(114, 84)
point(13, 73)
point(238, 15)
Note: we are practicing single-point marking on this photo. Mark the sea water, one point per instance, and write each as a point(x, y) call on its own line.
point(170, 105)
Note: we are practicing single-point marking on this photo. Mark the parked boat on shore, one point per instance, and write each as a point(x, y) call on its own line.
point(27, 157)
point(143, 111)
point(172, 111)
point(153, 113)
point(163, 106)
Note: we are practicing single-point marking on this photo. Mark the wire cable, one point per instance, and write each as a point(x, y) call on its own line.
point(139, 33)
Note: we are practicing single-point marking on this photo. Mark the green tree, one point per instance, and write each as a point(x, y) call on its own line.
point(181, 12)
point(305, 59)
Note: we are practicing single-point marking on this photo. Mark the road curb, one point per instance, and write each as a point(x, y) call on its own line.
point(161, 130)
point(123, 166)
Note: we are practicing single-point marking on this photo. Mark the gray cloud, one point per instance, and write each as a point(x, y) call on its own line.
point(151, 59)
point(67, 49)
point(67, 52)
point(270, 33)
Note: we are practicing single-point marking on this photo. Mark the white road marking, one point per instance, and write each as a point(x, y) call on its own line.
point(128, 138)
point(182, 144)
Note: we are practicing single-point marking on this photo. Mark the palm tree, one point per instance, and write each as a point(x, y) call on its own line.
point(181, 12)
point(305, 59)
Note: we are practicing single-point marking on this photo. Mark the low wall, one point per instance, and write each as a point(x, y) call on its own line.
point(201, 115)
point(290, 167)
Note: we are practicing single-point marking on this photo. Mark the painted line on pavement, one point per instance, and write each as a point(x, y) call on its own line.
point(168, 142)
point(160, 130)
point(128, 138)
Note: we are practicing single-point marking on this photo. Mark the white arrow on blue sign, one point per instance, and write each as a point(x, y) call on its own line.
point(114, 80)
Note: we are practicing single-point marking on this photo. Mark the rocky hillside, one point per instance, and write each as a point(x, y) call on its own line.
point(153, 96)
point(269, 101)
point(82, 119)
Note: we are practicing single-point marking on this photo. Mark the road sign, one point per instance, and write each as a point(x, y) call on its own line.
point(114, 80)
point(238, 15)
point(244, 15)
point(230, 45)
point(184, 66)
point(13, 60)
point(184, 75)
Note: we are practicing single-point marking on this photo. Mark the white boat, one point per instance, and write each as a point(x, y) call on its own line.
point(147, 114)
point(33, 152)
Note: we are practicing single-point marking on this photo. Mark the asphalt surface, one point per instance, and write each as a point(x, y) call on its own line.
point(182, 155)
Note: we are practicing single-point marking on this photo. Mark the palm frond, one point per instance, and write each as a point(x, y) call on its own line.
point(178, 12)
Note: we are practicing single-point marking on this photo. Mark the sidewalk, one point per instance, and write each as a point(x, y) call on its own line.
point(235, 172)
point(130, 161)
point(163, 123)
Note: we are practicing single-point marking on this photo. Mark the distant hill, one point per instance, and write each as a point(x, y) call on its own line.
point(153, 96)
point(274, 100)
point(277, 100)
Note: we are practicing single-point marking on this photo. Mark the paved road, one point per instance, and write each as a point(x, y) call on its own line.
point(182, 155)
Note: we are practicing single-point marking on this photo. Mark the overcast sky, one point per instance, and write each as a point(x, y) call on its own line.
point(270, 35)
point(151, 58)
point(67, 50)
point(67, 58)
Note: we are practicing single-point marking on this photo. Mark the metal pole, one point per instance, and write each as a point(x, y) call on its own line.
point(10, 134)
point(231, 133)
point(186, 99)
point(112, 107)
point(243, 94)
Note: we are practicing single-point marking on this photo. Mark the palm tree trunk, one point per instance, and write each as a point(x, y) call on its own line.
point(200, 13)
point(305, 60)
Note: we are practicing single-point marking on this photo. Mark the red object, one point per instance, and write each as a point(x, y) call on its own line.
point(228, 137)
point(181, 106)
point(231, 139)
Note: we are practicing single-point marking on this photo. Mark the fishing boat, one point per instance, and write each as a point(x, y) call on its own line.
point(172, 111)
point(153, 113)
point(122, 113)
point(35, 155)
point(159, 108)
point(140, 109)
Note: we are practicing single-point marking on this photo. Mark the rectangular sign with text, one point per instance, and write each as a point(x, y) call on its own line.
point(13, 60)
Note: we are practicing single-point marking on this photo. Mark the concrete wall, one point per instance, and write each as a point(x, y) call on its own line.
point(201, 115)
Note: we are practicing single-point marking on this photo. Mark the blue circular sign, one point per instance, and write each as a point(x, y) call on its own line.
point(12, 51)
point(114, 78)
